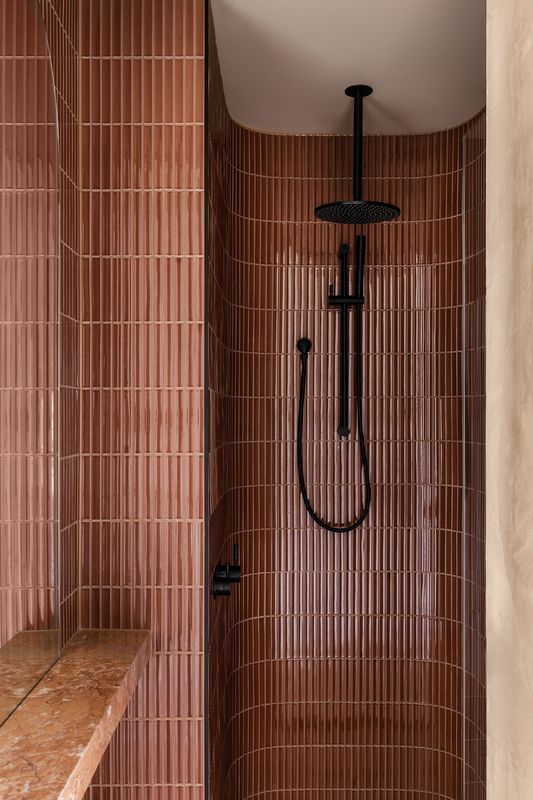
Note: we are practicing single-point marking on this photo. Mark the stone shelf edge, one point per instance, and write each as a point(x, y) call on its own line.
point(52, 744)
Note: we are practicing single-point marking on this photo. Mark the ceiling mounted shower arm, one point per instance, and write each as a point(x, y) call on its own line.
point(358, 92)
point(357, 211)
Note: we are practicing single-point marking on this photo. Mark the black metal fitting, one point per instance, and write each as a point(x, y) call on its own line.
point(304, 345)
point(226, 574)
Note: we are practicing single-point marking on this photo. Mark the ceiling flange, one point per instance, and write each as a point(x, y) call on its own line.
point(362, 88)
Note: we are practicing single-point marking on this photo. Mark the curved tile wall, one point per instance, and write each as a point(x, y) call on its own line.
point(474, 145)
point(338, 666)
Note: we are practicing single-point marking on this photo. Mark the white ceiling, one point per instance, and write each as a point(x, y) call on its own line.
point(285, 63)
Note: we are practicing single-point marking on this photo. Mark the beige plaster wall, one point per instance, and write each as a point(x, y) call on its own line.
point(510, 398)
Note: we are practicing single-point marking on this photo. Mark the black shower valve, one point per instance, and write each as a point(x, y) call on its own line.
point(226, 574)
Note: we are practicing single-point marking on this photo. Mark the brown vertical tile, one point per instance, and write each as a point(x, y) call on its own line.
point(141, 367)
point(29, 284)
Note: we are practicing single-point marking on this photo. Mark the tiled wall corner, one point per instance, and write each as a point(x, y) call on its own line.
point(62, 26)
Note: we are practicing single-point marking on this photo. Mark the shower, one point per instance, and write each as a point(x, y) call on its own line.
point(348, 212)
point(357, 211)
point(344, 556)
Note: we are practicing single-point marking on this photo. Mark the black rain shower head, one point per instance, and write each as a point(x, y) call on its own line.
point(357, 211)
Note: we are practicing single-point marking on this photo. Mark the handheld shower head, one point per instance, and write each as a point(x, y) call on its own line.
point(357, 211)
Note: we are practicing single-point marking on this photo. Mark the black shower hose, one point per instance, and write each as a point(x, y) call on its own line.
point(304, 346)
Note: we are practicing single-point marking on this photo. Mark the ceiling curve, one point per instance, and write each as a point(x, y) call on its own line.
point(285, 63)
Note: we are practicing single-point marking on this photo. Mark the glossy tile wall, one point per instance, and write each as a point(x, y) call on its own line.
point(222, 429)
point(28, 328)
point(474, 646)
point(62, 26)
point(338, 664)
point(142, 102)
